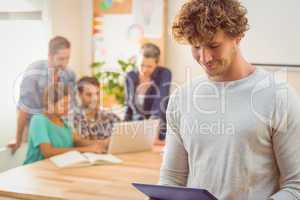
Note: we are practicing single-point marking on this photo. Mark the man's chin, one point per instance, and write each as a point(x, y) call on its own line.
point(211, 71)
point(92, 108)
point(63, 68)
point(60, 67)
point(213, 74)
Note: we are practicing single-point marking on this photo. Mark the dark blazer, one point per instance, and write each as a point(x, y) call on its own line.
point(156, 100)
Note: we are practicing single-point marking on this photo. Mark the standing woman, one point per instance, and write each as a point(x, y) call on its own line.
point(49, 134)
point(147, 88)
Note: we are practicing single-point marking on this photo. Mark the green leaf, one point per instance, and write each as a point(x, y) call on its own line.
point(121, 62)
point(97, 64)
point(98, 75)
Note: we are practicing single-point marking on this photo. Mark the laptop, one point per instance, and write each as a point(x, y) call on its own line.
point(133, 136)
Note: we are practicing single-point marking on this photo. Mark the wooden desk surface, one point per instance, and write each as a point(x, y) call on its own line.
point(42, 180)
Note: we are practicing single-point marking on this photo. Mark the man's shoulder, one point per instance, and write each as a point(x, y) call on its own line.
point(132, 73)
point(182, 89)
point(38, 65)
point(163, 69)
point(270, 80)
point(162, 73)
point(70, 73)
point(76, 111)
point(192, 83)
point(35, 72)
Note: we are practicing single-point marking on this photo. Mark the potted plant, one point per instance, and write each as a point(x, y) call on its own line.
point(112, 82)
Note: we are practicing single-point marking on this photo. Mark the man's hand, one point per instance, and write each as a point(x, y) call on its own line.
point(104, 143)
point(14, 145)
point(21, 124)
point(97, 147)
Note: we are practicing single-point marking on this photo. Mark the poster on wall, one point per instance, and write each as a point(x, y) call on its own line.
point(149, 15)
point(112, 48)
point(121, 26)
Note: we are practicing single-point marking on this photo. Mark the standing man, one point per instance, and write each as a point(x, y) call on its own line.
point(37, 77)
point(236, 131)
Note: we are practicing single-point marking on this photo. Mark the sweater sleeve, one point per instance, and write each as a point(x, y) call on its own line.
point(286, 143)
point(129, 84)
point(160, 104)
point(174, 170)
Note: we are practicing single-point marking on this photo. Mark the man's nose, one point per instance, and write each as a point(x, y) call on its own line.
point(205, 55)
point(65, 62)
point(95, 98)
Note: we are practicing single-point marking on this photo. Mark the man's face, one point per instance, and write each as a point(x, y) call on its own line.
point(60, 59)
point(217, 55)
point(90, 96)
point(146, 66)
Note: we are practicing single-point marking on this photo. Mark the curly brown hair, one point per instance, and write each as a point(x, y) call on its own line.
point(198, 20)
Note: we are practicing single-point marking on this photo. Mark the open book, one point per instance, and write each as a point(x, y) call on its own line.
point(77, 159)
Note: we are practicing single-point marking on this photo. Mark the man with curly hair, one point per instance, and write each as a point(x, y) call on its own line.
point(234, 131)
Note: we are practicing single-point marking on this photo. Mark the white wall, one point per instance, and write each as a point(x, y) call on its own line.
point(274, 33)
point(73, 20)
point(86, 35)
point(274, 37)
point(22, 42)
point(21, 5)
point(179, 58)
point(69, 18)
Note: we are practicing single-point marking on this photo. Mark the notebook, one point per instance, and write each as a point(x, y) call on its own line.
point(159, 192)
point(77, 159)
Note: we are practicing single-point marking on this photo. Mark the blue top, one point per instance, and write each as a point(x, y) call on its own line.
point(155, 101)
point(42, 130)
point(35, 79)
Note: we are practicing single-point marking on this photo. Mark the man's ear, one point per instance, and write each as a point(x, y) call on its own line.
point(238, 39)
point(50, 56)
point(157, 61)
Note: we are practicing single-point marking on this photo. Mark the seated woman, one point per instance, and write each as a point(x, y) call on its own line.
point(50, 135)
point(89, 120)
point(147, 88)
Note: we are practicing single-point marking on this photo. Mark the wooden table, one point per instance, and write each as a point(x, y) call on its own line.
point(42, 180)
